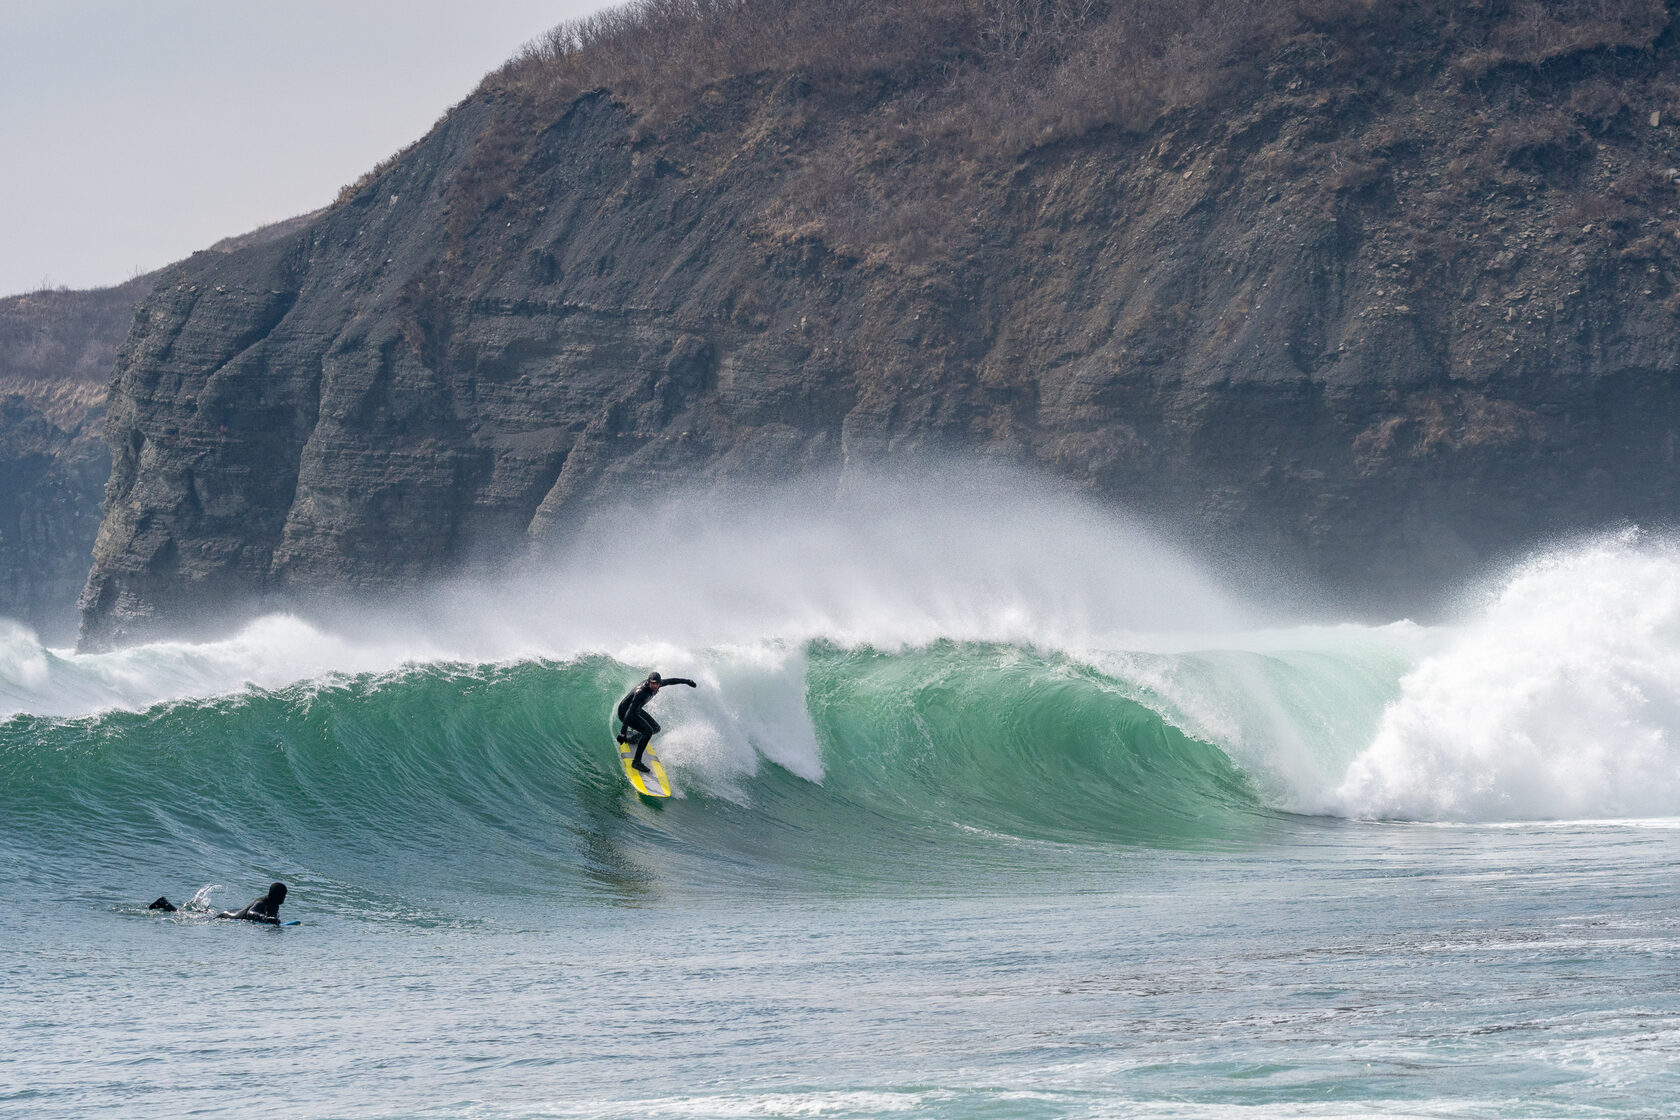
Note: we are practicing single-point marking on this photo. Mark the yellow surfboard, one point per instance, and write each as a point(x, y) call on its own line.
point(654, 783)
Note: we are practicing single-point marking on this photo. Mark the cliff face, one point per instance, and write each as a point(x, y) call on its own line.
point(56, 350)
point(1381, 307)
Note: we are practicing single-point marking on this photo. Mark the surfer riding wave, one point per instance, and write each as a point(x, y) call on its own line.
point(639, 727)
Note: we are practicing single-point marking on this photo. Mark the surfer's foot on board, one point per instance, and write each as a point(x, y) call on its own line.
point(642, 766)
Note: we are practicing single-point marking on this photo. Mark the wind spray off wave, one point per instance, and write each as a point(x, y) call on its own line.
point(890, 564)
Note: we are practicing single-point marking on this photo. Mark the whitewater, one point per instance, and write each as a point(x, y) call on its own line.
point(991, 802)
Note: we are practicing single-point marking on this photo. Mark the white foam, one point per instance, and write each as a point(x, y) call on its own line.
point(749, 706)
point(267, 653)
point(1559, 700)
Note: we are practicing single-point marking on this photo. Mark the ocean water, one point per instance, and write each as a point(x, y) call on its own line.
point(968, 824)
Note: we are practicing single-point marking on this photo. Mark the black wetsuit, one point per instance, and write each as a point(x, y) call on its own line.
point(264, 909)
point(639, 727)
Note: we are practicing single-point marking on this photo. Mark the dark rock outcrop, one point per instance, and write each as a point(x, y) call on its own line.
point(1385, 307)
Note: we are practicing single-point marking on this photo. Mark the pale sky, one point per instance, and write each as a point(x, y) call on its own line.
point(133, 132)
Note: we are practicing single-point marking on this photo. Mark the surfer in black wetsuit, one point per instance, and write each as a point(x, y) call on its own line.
point(639, 727)
point(264, 909)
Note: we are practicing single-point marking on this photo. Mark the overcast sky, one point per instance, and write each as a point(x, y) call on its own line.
point(133, 132)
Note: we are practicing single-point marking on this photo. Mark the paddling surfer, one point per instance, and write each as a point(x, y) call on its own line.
point(264, 909)
point(639, 727)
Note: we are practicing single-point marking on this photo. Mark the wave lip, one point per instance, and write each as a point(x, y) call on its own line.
point(269, 652)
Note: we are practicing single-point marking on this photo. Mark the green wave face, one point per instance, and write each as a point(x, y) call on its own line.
point(1011, 740)
point(467, 779)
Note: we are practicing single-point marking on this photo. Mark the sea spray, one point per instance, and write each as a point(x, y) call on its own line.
point(891, 564)
point(948, 555)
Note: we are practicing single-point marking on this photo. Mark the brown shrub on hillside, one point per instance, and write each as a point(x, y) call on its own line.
point(1544, 143)
point(51, 336)
point(1533, 32)
point(1018, 73)
point(65, 404)
point(959, 90)
point(1022, 72)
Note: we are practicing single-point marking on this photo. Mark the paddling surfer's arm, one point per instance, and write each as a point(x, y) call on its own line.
point(250, 915)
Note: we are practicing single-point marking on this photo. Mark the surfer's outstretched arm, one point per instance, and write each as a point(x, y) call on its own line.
point(638, 726)
point(637, 697)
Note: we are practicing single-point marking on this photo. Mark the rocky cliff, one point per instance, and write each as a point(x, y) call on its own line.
point(1380, 291)
point(56, 350)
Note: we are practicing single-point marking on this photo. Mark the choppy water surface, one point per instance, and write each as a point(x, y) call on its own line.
point(1019, 837)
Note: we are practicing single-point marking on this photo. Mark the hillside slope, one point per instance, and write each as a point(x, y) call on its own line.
point(1376, 290)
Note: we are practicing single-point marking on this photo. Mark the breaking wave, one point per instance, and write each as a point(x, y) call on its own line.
point(864, 710)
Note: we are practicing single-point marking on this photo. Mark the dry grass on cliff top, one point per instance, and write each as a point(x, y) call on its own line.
point(62, 335)
point(917, 102)
point(1010, 74)
point(952, 90)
